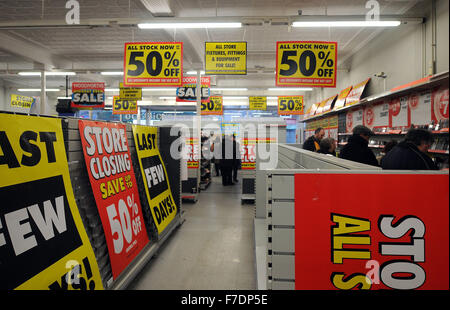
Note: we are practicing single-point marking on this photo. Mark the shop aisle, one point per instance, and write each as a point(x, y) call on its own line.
point(213, 249)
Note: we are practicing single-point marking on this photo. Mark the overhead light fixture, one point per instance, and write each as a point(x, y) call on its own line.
point(112, 89)
point(111, 73)
point(188, 25)
point(37, 89)
point(194, 72)
point(167, 98)
point(234, 98)
point(49, 73)
point(287, 89)
point(63, 97)
point(230, 89)
point(158, 89)
point(362, 23)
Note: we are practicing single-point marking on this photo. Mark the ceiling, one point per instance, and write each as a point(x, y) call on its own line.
point(34, 35)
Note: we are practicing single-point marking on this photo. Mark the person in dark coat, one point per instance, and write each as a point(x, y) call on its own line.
point(226, 162)
point(357, 149)
point(327, 146)
point(236, 158)
point(411, 153)
point(313, 143)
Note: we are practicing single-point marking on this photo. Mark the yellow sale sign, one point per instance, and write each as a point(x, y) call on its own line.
point(21, 101)
point(290, 105)
point(257, 103)
point(154, 175)
point(43, 242)
point(153, 64)
point(213, 107)
point(130, 93)
point(124, 106)
point(306, 63)
point(226, 58)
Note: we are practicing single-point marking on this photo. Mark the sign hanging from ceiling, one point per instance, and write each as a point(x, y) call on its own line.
point(124, 106)
point(213, 107)
point(153, 64)
point(226, 58)
point(22, 101)
point(257, 103)
point(306, 63)
point(130, 93)
point(290, 105)
point(86, 95)
point(43, 242)
point(187, 91)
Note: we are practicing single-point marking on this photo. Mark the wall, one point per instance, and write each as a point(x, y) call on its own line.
point(403, 53)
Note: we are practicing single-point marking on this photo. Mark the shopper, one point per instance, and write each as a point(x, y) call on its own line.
point(226, 162)
point(327, 146)
point(236, 158)
point(312, 143)
point(411, 153)
point(387, 148)
point(357, 149)
point(217, 153)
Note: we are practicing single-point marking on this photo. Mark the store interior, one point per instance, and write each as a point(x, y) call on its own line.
point(217, 241)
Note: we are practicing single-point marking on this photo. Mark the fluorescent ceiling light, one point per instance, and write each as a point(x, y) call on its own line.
point(195, 72)
point(167, 98)
point(34, 73)
point(158, 89)
point(272, 98)
point(111, 73)
point(144, 102)
point(233, 89)
point(37, 89)
point(63, 97)
point(287, 89)
point(112, 89)
point(188, 25)
point(362, 23)
point(236, 97)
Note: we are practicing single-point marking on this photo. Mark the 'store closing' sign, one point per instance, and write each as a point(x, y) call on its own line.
point(306, 63)
point(113, 183)
point(359, 241)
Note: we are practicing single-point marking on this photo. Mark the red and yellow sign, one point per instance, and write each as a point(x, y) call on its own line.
point(290, 105)
point(306, 63)
point(213, 107)
point(359, 241)
point(340, 101)
point(248, 151)
point(153, 64)
point(113, 183)
point(192, 151)
point(257, 103)
point(355, 94)
point(124, 106)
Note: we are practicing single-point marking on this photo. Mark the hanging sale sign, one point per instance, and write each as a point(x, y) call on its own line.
point(88, 95)
point(153, 64)
point(22, 101)
point(187, 92)
point(361, 242)
point(43, 243)
point(290, 105)
point(130, 93)
point(124, 106)
point(355, 94)
point(113, 183)
point(213, 107)
point(340, 101)
point(306, 63)
point(257, 103)
point(154, 174)
point(226, 58)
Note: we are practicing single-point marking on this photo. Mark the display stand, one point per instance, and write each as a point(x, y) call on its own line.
point(278, 202)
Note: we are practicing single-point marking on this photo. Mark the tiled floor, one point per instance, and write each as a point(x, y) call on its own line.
point(213, 249)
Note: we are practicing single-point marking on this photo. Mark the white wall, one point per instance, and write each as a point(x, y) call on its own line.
point(399, 52)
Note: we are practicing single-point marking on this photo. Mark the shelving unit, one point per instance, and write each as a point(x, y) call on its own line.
point(205, 166)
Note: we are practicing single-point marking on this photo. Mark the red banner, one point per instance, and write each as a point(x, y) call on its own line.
point(370, 234)
point(113, 183)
